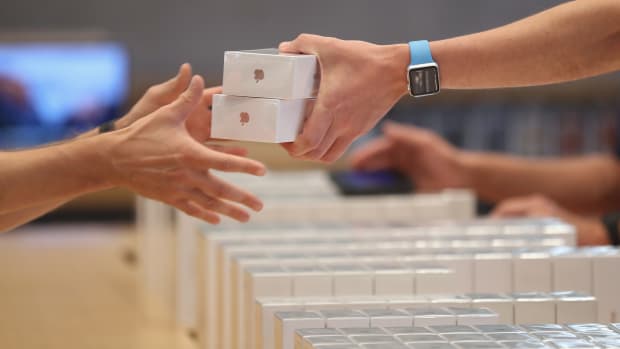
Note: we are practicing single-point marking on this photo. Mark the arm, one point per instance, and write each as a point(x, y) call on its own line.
point(585, 184)
point(175, 171)
point(157, 96)
point(360, 81)
point(571, 41)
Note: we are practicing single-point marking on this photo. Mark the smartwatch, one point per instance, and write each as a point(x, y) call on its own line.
point(423, 72)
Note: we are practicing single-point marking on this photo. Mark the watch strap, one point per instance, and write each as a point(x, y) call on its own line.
point(108, 126)
point(611, 221)
point(420, 51)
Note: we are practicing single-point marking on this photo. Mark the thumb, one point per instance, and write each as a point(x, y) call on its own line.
point(409, 135)
point(304, 43)
point(189, 99)
point(169, 90)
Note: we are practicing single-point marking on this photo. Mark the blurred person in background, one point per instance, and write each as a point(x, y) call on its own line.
point(361, 81)
point(579, 190)
point(156, 150)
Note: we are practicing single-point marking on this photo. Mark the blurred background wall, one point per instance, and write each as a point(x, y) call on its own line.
point(163, 34)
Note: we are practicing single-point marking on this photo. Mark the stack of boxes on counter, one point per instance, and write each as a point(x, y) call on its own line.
point(318, 270)
point(266, 95)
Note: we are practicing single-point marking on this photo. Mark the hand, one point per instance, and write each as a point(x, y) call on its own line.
point(590, 230)
point(157, 157)
point(431, 162)
point(198, 122)
point(360, 82)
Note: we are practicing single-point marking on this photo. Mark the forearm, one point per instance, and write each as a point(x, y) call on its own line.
point(51, 175)
point(14, 219)
point(588, 184)
point(575, 40)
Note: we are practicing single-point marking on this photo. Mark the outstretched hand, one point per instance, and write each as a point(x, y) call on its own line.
point(156, 156)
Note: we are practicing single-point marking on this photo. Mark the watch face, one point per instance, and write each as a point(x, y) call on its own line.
point(423, 80)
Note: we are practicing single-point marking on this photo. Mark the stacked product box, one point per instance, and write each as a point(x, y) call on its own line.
point(373, 260)
point(561, 307)
point(266, 96)
point(497, 336)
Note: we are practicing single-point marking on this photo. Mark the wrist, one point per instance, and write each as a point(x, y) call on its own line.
point(104, 155)
point(87, 158)
point(397, 58)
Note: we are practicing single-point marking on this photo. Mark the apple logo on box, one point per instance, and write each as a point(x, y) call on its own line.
point(244, 118)
point(259, 75)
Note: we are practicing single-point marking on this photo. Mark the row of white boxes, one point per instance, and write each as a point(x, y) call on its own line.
point(167, 240)
point(227, 255)
point(535, 336)
point(361, 322)
point(244, 279)
point(559, 307)
point(303, 215)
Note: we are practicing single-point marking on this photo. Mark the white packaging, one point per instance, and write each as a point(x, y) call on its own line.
point(352, 280)
point(572, 271)
point(474, 316)
point(533, 308)
point(606, 287)
point(258, 119)
point(493, 272)
point(310, 281)
point(259, 283)
point(532, 272)
point(432, 316)
point(501, 304)
point(264, 325)
point(388, 318)
point(323, 341)
point(433, 280)
point(344, 318)
point(303, 333)
point(393, 281)
point(407, 302)
point(270, 74)
point(463, 267)
point(286, 323)
point(575, 308)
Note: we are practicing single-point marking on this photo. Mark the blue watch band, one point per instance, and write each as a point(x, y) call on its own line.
point(420, 52)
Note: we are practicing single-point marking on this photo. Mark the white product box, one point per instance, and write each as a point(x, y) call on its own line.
point(606, 287)
point(344, 318)
point(533, 308)
point(532, 273)
point(463, 268)
point(408, 302)
point(322, 341)
point(303, 333)
point(264, 325)
point(501, 304)
point(258, 119)
point(474, 316)
point(572, 271)
point(270, 74)
point(310, 281)
point(572, 307)
point(351, 280)
point(388, 318)
point(391, 281)
point(432, 316)
point(259, 283)
point(493, 272)
point(434, 280)
point(450, 301)
point(286, 323)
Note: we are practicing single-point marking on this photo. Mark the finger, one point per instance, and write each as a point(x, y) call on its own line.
point(314, 130)
point(194, 210)
point(511, 208)
point(232, 150)
point(328, 141)
point(218, 188)
point(372, 155)
point(337, 150)
point(304, 43)
point(216, 205)
point(203, 158)
point(168, 91)
point(207, 96)
point(189, 99)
